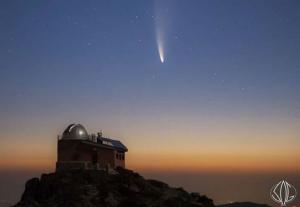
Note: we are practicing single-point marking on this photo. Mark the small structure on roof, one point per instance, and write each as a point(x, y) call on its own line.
point(76, 149)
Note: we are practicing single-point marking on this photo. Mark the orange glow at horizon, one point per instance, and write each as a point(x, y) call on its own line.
point(213, 162)
point(168, 161)
point(211, 145)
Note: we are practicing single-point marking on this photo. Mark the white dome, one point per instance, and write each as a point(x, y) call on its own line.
point(75, 131)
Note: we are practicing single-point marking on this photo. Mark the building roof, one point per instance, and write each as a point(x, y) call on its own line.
point(116, 144)
point(78, 132)
point(75, 131)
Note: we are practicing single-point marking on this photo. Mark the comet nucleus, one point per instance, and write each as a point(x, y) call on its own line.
point(160, 49)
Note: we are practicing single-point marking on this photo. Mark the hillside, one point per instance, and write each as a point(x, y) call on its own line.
point(243, 204)
point(99, 188)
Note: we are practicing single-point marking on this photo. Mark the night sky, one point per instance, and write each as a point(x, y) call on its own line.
point(186, 85)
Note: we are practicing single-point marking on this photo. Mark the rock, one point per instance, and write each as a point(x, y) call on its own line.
point(98, 188)
point(111, 200)
point(32, 187)
point(243, 204)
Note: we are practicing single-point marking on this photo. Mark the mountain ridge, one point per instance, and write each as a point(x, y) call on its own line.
point(243, 204)
point(119, 188)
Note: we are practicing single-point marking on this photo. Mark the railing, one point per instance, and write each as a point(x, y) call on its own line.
point(89, 138)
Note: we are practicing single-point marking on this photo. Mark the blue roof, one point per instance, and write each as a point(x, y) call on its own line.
point(112, 143)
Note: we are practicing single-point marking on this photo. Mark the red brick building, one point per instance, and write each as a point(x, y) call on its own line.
point(76, 149)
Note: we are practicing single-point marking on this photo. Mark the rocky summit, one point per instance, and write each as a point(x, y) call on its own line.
point(99, 188)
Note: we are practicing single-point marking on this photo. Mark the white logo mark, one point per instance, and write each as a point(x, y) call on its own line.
point(283, 193)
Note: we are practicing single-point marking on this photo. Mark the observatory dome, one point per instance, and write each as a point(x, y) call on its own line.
point(75, 131)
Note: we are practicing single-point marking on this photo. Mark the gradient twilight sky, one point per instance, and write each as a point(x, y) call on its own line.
point(227, 96)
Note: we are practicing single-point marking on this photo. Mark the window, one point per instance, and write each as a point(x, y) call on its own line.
point(120, 156)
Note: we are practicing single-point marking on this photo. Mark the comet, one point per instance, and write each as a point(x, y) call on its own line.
point(160, 29)
point(160, 48)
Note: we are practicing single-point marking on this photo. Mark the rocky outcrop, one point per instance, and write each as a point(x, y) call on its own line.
point(99, 188)
point(243, 204)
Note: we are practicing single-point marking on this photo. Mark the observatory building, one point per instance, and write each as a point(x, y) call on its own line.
point(76, 149)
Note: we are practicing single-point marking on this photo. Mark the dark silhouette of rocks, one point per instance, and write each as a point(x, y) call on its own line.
point(243, 204)
point(98, 188)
